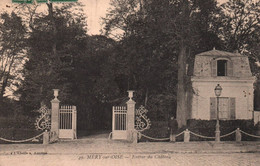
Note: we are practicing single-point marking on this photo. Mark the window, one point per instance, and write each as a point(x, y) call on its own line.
point(222, 68)
point(227, 108)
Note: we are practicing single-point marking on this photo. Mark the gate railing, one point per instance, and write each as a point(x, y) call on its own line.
point(67, 117)
point(119, 118)
point(68, 120)
point(119, 122)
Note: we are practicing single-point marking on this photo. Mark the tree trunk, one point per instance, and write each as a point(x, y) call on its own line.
point(181, 91)
point(146, 97)
point(54, 45)
point(2, 92)
point(5, 79)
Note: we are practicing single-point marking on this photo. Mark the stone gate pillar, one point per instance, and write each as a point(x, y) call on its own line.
point(55, 106)
point(130, 116)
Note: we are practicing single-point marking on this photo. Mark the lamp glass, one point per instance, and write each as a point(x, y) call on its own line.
point(218, 90)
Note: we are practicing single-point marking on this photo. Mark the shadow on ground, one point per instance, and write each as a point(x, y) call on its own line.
point(93, 134)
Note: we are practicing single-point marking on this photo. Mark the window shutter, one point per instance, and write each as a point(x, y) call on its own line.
point(213, 68)
point(213, 108)
point(229, 68)
point(232, 102)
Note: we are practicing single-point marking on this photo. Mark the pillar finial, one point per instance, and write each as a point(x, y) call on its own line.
point(55, 93)
point(130, 94)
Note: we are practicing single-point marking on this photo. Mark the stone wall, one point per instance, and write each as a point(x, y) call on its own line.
point(202, 66)
point(241, 67)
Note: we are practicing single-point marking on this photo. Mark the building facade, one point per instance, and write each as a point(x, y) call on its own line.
point(232, 72)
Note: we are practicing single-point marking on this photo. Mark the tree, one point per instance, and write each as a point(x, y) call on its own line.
point(118, 19)
point(155, 31)
point(238, 24)
point(81, 67)
point(12, 47)
point(145, 53)
point(51, 56)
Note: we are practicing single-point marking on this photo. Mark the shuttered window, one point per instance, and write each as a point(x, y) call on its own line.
point(221, 67)
point(232, 102)
point(214, 68)
point(226, 111)
point(229, 68)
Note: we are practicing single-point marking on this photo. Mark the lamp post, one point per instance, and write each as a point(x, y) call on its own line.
point(218, 90)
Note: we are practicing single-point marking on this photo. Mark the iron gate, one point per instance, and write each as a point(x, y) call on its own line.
point(119, 122)
point(68, 122)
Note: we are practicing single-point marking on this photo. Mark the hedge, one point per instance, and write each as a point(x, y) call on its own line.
point(17, 129)
point(19, 122)
point(158, 129)
point(19, 134)
point(208, 127)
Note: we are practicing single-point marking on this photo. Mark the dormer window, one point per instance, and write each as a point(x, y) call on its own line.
point(221, 67)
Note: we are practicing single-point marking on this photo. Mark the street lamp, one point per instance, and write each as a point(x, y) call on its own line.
point(218, 90)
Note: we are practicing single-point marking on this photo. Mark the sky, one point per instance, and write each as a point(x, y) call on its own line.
point(94, 9)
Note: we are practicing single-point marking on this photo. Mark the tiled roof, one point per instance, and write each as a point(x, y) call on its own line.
point(215, 52)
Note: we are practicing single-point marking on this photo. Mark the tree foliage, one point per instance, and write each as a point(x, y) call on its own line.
point(156, 35)
point(238, 24)
point(51, 56)
point(12, 47)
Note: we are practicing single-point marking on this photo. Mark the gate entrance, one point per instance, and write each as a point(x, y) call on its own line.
point(68, 122)
point(119, 123)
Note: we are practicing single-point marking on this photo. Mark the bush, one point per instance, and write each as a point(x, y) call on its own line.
point(158, 129)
